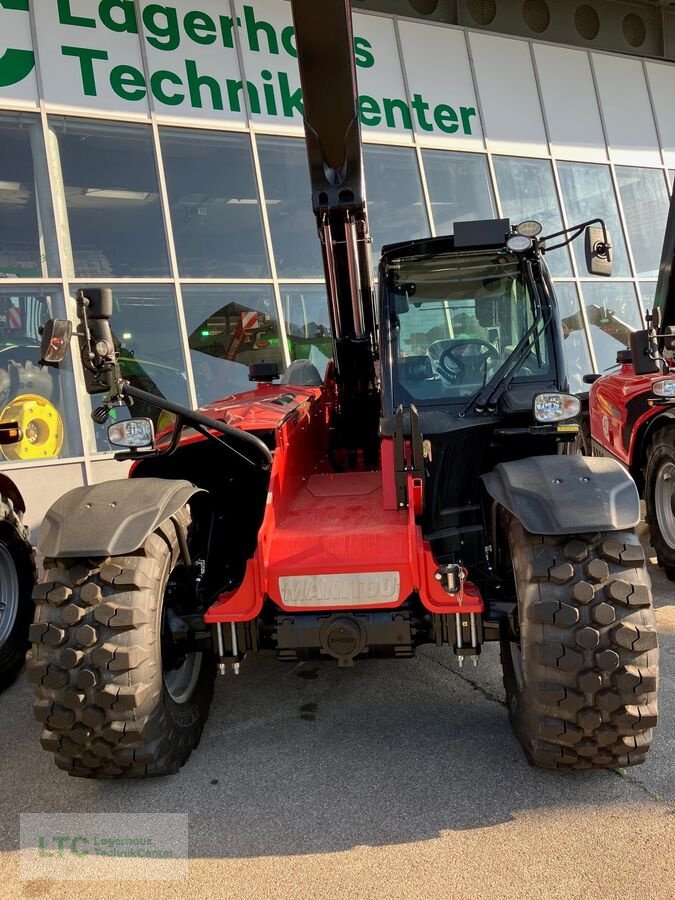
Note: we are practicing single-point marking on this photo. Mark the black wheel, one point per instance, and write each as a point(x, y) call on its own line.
point(660, 497)
point(116, 697)
point(17, 576)
point(581, 682)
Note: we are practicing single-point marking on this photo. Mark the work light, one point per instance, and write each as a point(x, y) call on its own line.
point(665, 388)
point(555, 407)
point(132, 433)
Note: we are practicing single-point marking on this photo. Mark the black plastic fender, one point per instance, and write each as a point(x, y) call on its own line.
point(111, 518)
point(566, 494)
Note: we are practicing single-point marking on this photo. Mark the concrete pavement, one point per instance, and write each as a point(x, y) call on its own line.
point(391, 779)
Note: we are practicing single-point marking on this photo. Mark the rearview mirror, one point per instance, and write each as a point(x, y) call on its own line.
point(643, 363)
point(598, 249)
point(56, 334)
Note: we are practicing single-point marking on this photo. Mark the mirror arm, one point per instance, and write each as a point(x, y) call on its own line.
point(197, 418)
point(579, 229)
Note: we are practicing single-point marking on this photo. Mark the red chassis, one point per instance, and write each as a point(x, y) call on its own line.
point(620, 407)
point(320, 523)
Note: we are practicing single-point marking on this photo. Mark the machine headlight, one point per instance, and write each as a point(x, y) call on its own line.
point(665, 388)
point(132, 433)
point(530, 228)
point(519, 243)
point(556, 407)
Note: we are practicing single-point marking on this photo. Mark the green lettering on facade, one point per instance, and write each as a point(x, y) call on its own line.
point(128, 83)
point(86, 57)
point(67, 17)
point(157, 81)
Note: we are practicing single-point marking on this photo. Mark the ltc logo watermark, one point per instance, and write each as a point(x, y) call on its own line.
point(103, 846)
point(15, 65)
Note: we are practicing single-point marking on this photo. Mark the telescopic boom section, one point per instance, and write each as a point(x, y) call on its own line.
point(325, 47)
point(665, 287)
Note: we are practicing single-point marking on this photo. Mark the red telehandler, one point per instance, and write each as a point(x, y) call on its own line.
point(630, 415)
point(417, 493)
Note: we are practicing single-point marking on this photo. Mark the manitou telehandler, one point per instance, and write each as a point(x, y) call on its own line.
point(417, 493)
point(630, 414)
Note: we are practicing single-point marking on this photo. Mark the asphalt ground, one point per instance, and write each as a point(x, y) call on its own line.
point(390, 779)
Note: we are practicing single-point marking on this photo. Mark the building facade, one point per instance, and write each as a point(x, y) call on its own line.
point(158, 149)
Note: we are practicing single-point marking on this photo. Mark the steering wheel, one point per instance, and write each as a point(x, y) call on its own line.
point(454, 363)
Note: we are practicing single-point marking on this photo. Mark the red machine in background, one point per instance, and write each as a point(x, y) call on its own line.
point(631, 412)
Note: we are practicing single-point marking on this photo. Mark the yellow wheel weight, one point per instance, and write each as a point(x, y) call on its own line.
point(41, 425)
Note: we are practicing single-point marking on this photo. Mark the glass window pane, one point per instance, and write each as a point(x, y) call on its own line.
point(145, 330)
point(527, 191)
point(647, 291)
point(110, 183)
point(459, 188)
point(215, 208)
point(308, 326)
point(41, 399)
point(230, 327)
point(575, 342)
point(588, 194)
point(26, 251)
point(288, 196)
point(396, 209)
point(612, 312)
point(644, 197)
point(671, 177)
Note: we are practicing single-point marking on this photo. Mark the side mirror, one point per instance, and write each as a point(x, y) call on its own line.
point(640, 344)
point(598, 251)
point(56, 334)
point(10, 433)
point(591, 378)
point(97, 347)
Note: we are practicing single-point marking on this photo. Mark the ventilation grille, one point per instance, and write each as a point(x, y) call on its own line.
point(620, 26)
point(587, 22)
point(482, 12)
point(536, 15)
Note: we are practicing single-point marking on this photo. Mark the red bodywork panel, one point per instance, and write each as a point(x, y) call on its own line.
point(619, 406)
point(323, 523)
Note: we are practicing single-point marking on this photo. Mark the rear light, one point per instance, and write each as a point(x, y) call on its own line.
point(555, 407)
point(665, 388)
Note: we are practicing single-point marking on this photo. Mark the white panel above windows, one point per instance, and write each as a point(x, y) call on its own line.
point(18, 85)
point(192, 57)
point(380, 78)
point(87, 64)
point(508, 96)
point(662, 84)
point(436, 64)
point(570, 103)
point(627, 112)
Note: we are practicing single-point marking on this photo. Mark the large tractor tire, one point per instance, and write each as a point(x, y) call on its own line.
point(581, 684)
point(115, 697)
point(17, 576)
point(660, 497)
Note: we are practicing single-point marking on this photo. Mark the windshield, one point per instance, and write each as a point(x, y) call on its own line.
point(455, 321)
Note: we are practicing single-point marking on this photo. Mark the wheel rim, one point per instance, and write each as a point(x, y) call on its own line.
point(664, 495)
point(9, 594)
point(181, 682)
point(41, 425)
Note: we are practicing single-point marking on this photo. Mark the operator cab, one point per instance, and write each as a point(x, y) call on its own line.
point(464, 329)
point(469, 339)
